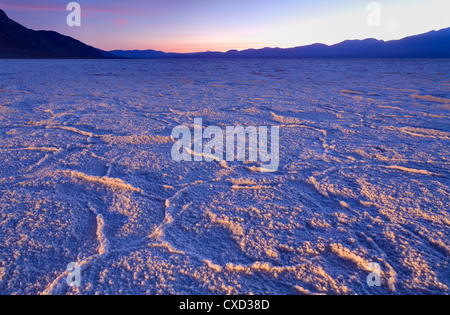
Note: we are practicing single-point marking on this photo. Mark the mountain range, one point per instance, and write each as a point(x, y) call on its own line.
point(434, 44)
point(17, 41)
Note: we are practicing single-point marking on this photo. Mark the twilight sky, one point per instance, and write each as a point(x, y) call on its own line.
point(201, 25)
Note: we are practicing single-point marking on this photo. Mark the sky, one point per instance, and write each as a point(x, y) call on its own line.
point(212, 25)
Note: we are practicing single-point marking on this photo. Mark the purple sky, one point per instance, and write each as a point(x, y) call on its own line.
point(201, 25)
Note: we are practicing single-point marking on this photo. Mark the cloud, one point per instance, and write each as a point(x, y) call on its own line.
point(120, 21)
point(31, 7)
point(87, 8)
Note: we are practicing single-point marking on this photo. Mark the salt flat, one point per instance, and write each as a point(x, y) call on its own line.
point(86, 176)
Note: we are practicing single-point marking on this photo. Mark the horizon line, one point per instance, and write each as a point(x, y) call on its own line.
point(274, 47)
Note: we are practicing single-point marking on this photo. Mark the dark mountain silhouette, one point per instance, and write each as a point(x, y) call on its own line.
point(434, 44)
point(140, 54)
point(17, 41)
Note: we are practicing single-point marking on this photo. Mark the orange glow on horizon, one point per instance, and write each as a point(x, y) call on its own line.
point(195, 47)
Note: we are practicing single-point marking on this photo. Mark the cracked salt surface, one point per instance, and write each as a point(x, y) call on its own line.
point(86, 176)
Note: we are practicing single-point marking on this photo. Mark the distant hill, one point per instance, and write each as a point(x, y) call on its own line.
point(140, 54)
point(434, 44)
point(17, 41)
